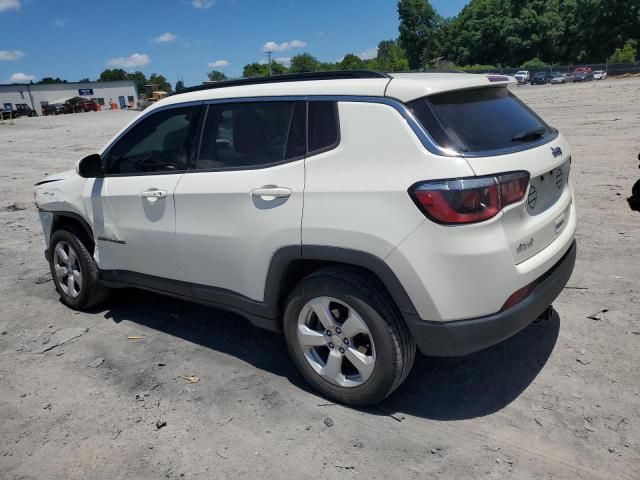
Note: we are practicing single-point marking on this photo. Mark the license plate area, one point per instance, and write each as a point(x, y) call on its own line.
point(546, 189)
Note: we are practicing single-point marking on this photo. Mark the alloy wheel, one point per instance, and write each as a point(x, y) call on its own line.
point(336, 342)
point(67, 269)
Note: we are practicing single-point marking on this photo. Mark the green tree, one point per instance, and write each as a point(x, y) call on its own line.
point(391, 57)
point(351, 62)
point(626, 54)
point(50, 80)
point(112, 75)
point(534, 64)
point(420, 31)
point(304, 62)
point(255, 70)
point(140, 79)
point(216, 76)
point(179, 86)
point(84, 80)
point(161, 81)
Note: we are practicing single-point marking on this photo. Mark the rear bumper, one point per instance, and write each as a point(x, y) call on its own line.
point(462, 337)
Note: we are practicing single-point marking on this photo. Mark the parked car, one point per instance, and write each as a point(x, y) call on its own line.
point(583, 76)
point(54, 109)
point(23, 110)
point(20, 110)
point(80, 104)
point(523, 76)
point(599, 75)
point(432, 200)
point(541, 78)
point(560, 78)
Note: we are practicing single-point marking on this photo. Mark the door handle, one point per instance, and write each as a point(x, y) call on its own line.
point(271, 191)
point(154, 194)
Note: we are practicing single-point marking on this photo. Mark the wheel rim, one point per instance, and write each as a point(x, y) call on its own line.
point(336, 342)
point(67, 269)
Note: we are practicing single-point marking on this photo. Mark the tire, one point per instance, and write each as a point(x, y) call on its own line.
point(84, 291)
point(355, 302)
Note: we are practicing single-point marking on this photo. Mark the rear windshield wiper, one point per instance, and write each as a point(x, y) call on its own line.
point(529, 135)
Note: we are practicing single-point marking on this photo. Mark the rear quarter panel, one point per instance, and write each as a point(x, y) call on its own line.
point(356, 195)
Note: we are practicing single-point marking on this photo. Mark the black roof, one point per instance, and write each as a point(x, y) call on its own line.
point(289, 77)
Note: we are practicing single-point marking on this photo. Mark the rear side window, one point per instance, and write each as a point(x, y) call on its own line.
point(323, 125)
point(479, 120)
point(251, 134)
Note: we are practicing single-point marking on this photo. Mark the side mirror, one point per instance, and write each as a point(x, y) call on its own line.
point(91, 166)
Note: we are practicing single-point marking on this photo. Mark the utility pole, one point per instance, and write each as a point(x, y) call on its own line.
point(269, 55)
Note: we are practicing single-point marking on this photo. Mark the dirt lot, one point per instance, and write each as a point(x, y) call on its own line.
point(79, 400)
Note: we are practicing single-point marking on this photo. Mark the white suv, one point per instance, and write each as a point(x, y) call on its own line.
point(362, 214)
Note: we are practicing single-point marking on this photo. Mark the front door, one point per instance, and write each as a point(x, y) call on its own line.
point(133, 205)
point(123, 104)
point(243, 200)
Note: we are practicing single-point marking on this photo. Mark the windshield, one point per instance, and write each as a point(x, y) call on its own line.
point(479, 120)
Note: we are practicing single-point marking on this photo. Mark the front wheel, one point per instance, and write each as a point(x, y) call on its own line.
point(74, 271)
point(346, 337)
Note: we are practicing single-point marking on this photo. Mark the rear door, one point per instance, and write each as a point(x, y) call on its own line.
point(133, 205)
point(496, 133)
point(242, 200)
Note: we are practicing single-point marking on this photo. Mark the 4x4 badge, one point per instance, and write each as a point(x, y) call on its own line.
point(557, 152)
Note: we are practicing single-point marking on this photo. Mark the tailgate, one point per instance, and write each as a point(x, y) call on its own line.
point(533, 224)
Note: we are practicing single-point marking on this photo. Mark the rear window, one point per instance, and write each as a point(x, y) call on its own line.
point(479, 120)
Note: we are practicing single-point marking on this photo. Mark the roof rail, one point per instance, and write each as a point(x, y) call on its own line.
point(288, 77)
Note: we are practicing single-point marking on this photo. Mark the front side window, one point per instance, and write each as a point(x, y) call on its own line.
point(478, 120)
point(251, 134)
point(156, 144)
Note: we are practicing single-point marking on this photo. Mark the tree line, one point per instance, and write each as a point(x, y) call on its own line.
point(513, 32)
point(493, 33)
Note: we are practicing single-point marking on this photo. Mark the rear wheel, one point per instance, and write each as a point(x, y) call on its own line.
point(346, 337)
point(74, 271)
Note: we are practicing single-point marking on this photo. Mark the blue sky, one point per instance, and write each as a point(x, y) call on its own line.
point(73, 39)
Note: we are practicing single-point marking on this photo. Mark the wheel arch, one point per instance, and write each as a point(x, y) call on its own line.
point(65, 219)
point(291, 264)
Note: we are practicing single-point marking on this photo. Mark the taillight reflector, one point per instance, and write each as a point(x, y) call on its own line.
point(516, 298)
point(469, 200)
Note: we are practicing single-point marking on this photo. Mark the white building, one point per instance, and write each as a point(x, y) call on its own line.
point(123, 93)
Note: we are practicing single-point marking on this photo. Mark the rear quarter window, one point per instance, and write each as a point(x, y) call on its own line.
point(479, 120)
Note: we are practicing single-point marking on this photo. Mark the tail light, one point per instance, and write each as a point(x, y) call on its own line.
point(469, 200)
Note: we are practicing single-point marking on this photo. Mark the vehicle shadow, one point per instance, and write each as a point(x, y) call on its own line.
point(478, 384)
point(437, 388)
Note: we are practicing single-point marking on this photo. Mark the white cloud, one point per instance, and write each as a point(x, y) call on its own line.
point(135, 60)
point(368, 54)
point(61, 22)
point(9, 5)
point(165, 38)
point(7, 55)
point(281, 47)
point(219, 64)
point(21, 78)
point(202, 3)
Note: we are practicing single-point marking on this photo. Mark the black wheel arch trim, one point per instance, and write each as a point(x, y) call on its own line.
point(57, 214)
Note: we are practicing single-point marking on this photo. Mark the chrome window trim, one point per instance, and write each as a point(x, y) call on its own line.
point(427, 141)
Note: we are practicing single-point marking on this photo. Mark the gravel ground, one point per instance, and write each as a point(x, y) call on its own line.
point(81, 400)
